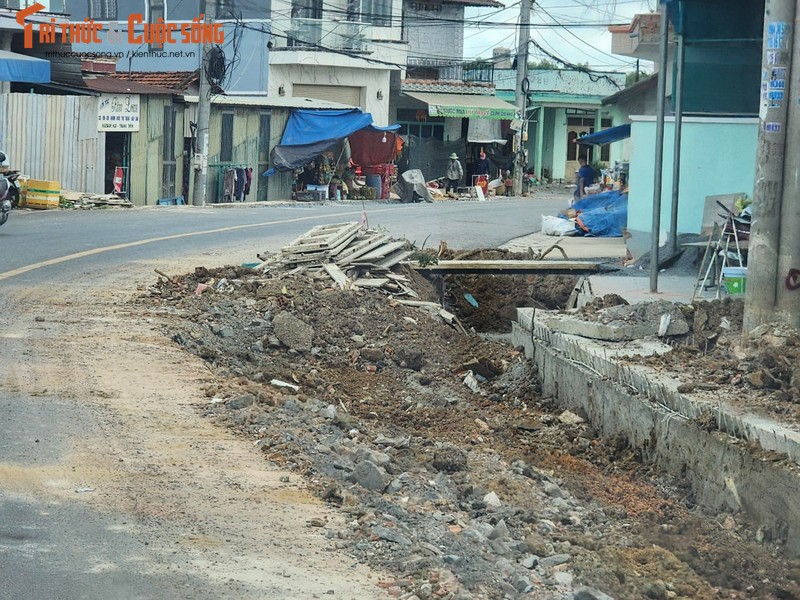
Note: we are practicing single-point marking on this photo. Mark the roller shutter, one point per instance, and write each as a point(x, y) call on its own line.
point(342, 94)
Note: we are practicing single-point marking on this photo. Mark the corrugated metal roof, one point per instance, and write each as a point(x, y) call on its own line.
point(272, 102)
point(463, 105)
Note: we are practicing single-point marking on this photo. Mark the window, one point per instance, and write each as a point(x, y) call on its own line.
point(377, 12)
point(102, 10)
point(226, 144)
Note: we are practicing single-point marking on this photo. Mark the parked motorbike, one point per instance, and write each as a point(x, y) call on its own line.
point(6, 192)
point(5, 203)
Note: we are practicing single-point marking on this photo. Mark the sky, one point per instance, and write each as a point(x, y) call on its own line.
point(575, 45)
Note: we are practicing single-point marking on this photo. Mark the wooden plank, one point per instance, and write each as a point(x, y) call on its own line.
point(383, 251)
point(320, 238)
point(395, 277)
point(418, 303)
point(337, 274)
point(373, 283)
point(515, 266)
point(336, 249)
point(357, 250)
point(393, 259)
point(348, 232)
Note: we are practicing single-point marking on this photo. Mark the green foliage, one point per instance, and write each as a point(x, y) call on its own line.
point(425, 257)
point(543, 64)
point(631, 78)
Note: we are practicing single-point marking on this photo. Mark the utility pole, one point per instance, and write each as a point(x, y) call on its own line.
point(677, 94)
point(771, 292)
point(522, 75)
point(659, 161)
point(209, 7)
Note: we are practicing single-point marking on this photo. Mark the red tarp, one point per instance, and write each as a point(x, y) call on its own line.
point(374, 147)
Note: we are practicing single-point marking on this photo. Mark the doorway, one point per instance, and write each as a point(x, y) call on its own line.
point(118, 156)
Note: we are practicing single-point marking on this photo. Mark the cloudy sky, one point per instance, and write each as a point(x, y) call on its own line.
point(573, 44)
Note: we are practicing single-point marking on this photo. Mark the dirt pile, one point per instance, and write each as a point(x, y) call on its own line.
point(455, 474)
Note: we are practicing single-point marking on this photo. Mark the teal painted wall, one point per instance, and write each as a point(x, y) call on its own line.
point(559, 144)
point(718, 156)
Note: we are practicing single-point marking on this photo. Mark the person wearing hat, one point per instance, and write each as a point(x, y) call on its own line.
point(453, 173)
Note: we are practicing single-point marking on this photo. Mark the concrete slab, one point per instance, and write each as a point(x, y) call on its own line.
point(575, 247)
point(636, 288)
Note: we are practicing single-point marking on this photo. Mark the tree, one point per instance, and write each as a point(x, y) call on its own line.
point(543, 64)
point(634, 76)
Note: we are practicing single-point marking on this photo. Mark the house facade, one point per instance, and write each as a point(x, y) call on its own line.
point(564, 105)
point(443, 104)
point(339, 51)
point(722, 78)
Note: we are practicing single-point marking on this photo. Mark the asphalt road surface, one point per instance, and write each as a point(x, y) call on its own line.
point(64, 549)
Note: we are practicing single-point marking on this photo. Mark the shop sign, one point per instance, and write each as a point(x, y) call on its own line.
point(118, 112)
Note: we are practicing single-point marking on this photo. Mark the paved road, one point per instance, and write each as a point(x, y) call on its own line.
point(139, 234)
point(47, 551)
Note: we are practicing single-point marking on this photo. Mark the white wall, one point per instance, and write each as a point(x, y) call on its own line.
point(370, 80)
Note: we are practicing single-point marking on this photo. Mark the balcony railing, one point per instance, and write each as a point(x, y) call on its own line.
point(319, 34)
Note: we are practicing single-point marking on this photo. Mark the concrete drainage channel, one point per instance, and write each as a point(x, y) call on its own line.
point(727, 467)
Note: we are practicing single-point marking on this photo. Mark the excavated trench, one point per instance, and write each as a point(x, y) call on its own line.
point(468, 471)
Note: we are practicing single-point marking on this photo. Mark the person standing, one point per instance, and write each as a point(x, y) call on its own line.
point(482, 165)
point(586, 177)
point(453, 173)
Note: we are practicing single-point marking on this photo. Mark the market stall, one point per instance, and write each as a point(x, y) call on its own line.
point(337, 154)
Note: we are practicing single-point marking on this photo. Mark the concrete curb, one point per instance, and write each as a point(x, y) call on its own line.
point(723, 470)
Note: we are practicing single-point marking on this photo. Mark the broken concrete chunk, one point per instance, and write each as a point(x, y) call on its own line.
point(492, 500)
point(369, 476)
point(242, 401)
point(396, 442)
point(585, 593)
point(391, 535)
point(293, 332)
point(472, 383)
point(570, 418)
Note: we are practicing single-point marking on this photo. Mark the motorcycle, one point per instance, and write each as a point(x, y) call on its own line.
point(5, 203)
point(9, 191)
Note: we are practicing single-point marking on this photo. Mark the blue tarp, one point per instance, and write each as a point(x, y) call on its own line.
point(18, 67)
point(604, 215)
point(309, 133)
point(606, 136)
point(311, 126)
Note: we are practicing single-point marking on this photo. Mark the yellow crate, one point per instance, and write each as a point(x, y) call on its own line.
point(41, 194)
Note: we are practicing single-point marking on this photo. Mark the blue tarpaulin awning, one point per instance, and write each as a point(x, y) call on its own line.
point(18, 67)
point(606, 136)
point(309, 133)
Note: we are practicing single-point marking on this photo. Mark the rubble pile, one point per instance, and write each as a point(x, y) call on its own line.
point(456, 476)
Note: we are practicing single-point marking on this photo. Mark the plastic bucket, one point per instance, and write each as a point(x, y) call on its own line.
point(734, 279)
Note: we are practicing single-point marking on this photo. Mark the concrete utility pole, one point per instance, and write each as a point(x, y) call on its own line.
point(677, 94)
point(522, 75)
point(659, 162)
point(771, 292)
point(209, 7)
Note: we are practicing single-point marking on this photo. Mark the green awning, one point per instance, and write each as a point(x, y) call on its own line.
point(471, 106)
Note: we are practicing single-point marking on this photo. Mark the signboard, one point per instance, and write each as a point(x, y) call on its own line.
point(118, 112)
point(476, 112)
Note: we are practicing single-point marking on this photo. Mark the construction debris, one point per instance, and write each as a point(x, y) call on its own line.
point(356, 259)
point(84, 200)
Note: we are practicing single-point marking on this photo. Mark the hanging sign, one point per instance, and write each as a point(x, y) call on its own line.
point(118, 112)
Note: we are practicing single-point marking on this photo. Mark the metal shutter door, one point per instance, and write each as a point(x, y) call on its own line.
point(332, 93)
